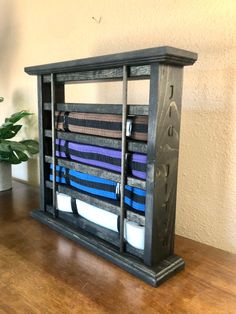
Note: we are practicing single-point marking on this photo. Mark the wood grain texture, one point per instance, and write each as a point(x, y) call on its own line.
point(43, 272)
point(103, 233)
point(164, 66)
point(162, 160)
point(99, 108)
point(133, 146)
point(123, 175)
point(105, 174)
point(110, 205)
point(105, 75)
point(44, 94)
point(165, 54)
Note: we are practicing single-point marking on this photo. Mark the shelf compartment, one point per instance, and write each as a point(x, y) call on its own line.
point(103, 233)
point(141, 110)
point(109, 205)
point(152, 275)
point(133, 146)
point(102, 173)
point(114, 74)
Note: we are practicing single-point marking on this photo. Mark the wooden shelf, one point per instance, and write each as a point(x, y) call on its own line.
point(104, 75)
point(105, 174)
point(152, 275)
point(165, 55)
point(133, 146)
point(141, 110)
point(100, 202)
point(97, 231)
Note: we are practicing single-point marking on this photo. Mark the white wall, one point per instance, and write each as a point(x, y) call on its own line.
point(39, 31)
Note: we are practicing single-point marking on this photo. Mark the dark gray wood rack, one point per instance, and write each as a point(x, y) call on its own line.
point(163, 66)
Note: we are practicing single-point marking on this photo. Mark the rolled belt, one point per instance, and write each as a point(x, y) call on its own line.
point(133, 233)
point(134, 197)
point(106, 125)
point(101, 157)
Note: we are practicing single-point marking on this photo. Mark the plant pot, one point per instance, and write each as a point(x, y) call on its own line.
point(5, 176)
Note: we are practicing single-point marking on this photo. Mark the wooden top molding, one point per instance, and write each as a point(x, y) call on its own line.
point(166, 54)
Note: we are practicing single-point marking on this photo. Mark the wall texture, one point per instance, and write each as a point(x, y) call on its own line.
point(40, 31)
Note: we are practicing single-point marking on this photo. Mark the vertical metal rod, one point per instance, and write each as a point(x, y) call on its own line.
point(54, 199)
point(123, 158)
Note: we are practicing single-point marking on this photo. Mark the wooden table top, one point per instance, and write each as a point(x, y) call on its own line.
point(43, 272)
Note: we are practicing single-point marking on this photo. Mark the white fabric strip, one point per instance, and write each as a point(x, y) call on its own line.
point(134, 234)
point(64, 202)
point(129, 127)
point(99, 216)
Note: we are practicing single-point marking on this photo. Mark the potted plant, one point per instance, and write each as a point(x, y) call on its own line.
point(13, 152)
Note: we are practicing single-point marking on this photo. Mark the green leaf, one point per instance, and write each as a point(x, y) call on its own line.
point(4, 147)
point(4, 155)
point(12, 151)
point(9, 131)
point(31, 145)
point(15, 129)
point(6, 125)
point(2, 158)
point(16, 157)
point(13, 159)
point(16, 146)
point(17, 116)
point(1, 99)
point(8, 157)
point(21, 156)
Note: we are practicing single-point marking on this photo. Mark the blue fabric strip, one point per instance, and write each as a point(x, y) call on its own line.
point(89, 177)
point(93, 191)
point(136, 190)
point(135, 205)
point(60, 178)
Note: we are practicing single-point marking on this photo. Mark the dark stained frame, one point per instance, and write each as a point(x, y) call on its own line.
point(163, 66)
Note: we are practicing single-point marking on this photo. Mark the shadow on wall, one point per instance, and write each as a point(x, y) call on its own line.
point(9, 34)
point(207, 186)
point(30, 174)
point(9, 41)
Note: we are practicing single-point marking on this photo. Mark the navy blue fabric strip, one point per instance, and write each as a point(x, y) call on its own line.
point(134, 197)
point(73, 206)
point(65, 121)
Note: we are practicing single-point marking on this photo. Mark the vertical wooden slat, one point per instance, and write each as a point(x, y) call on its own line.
point(123, 158)
point(44, 95)
point(53, 146)
point(162, 161)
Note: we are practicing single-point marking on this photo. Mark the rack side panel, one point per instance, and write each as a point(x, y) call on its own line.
point(44, 95)
point(45, 143)
point(162, 154)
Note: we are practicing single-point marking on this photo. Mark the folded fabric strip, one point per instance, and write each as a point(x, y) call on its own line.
point(133, 233)
point(134, 197)
point(106, 125)
point(101, 157)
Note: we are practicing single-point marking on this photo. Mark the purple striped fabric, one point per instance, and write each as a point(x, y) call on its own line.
point(102, 153)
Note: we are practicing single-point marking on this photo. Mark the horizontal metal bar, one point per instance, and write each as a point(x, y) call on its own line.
point(102, 173)
point(133, 146)
point(110, 206)
point(114, 74)
point(100, 108)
